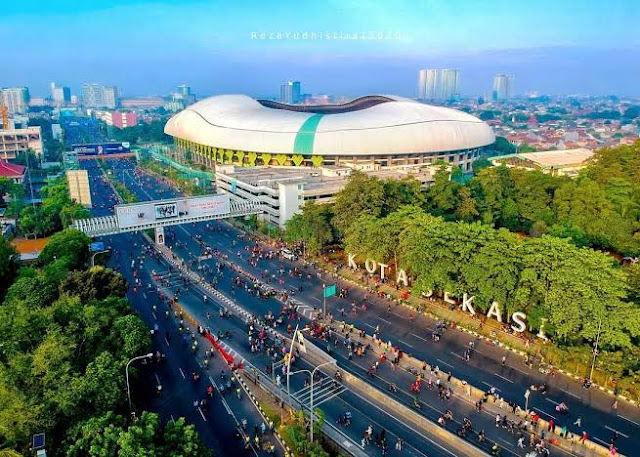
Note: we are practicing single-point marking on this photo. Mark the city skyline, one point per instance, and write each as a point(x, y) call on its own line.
point(546, 45)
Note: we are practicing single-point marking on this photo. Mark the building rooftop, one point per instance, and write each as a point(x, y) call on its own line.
point(319, 178)
point(11, 170)
point(551, 159)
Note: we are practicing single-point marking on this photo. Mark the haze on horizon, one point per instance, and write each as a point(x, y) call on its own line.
point(147, 47)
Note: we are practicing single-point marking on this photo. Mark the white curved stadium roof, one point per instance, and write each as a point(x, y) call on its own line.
point(394, 126)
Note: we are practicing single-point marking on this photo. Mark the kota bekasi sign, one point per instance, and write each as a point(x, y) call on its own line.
point(518, 320)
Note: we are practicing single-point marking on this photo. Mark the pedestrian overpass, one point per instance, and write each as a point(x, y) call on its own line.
point(158, 214)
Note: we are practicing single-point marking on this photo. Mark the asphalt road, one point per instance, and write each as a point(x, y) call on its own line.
point(218, 422)
point(363, 413)
point(484, 369)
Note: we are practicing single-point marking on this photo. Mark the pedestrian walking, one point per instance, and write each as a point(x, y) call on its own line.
point(399, 444)
point(578, 422)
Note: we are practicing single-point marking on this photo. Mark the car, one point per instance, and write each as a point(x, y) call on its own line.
point(288, 254)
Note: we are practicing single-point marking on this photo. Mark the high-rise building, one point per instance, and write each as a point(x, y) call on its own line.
point(503, 86)
point(183, 97)
point(110, 97)
point(438, 84)
point(60, 95)
point(16, 99)
point(98, 96)
point(290, 92)
point(92, 95)
point(450, 84)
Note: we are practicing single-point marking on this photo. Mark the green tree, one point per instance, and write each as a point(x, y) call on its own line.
point(95, 283)
point(9, 265)
point(312, 226)
point(363, 194)
point(134, 335)
point(466, 210)
point(70, 244)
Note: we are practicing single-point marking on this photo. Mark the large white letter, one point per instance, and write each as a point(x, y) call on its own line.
point(382, 267)
point(370, 265)
point(401, 277)
point(519, 318)
point(466, 304)
point(448, 299)
point(541, 332)
point(494, 311)
point(352, 262)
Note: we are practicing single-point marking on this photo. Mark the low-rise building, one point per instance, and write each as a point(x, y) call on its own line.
point(15, 141)
point(284, 190)
point(567, 162)
point(12, 171)
point(120, 119)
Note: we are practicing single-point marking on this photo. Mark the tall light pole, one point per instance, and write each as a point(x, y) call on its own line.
point(311, 401)
point(595, 349)
point(312, 374)
point(126, 370)
point(293, 339)
point(93, 257)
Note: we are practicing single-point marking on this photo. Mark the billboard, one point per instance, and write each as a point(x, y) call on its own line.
point(99, 149)
point(174, 210)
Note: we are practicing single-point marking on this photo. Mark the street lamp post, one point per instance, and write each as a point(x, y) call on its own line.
point(293, 339)
point(126, 370)
point(595, 349)
point(324, 302)
point(312, 374)
point(93, 257)
point(311, 400)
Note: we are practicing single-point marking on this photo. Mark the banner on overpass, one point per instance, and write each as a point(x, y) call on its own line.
point(99, 149)
point(173, 210)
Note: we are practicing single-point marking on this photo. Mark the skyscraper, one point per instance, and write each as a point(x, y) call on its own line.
point(110, 97)
point(290, 92)
point(60, 95)
point(503, 86)
point(427, 84)
point(438, 84)
point(92, 95)
point(450, 84)
point(184, 89)
point(98, 96)
point(16, 99)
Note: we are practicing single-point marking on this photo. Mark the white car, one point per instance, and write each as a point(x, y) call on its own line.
point(288, 254)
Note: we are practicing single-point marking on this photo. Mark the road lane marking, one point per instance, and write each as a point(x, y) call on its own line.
point(158, 379)
point(182, 373)
point(627, 419)
point(405, 343)
point(202, 414)
point(419, 337)
point(444, 363)
point(154, 315)
point(502, 377)
point(601, 441)
point(506, 442)
point(487, 384)
point(551, 401)
point(614, 430)
point(570, 393)
point(166, 340)
point(545, 413)
point(316, 299)
point(369, 325)
point(384, 320)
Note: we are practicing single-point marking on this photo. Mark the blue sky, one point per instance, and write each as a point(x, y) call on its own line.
point(147, 47)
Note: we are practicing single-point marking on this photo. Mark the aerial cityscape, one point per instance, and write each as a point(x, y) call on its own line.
point(339, 228)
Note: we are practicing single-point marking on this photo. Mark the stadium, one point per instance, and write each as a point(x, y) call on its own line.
point(380, 130)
